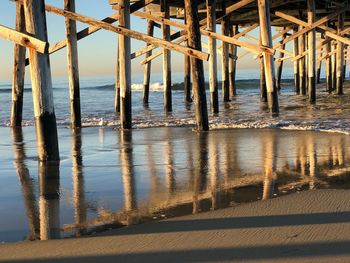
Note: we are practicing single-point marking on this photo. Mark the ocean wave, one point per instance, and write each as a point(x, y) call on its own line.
point(216, 123)
point(246, 84)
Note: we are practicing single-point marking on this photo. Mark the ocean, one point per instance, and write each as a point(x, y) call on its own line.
point(244, 111)
point(108, 178)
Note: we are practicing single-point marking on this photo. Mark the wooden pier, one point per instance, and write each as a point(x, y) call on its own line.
point(318, 31)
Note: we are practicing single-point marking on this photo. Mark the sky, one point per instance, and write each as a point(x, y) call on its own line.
point(97, 53)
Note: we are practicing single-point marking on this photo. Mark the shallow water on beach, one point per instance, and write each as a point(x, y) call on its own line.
point(108, 179)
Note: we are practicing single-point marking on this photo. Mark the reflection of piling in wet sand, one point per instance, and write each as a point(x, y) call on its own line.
point(80, 213)
point(127, 172)
point(311, 147)
point(303, 158)
point(225, 149)
point(200, 170)
point(269, 148)
point(49, 200)
point(169, 166)
point(213, 163)
point(340, 151)
point(26, 181)
point(153, 173)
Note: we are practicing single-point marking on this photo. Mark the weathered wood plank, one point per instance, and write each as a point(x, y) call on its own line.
point(340, 57)
point(302, 67)
point(125, 67)
point(312, 26)
point(295, 64)
point(266, 40)
point(225, 84)
point(44, 113)
point(213, 81)
point(18, 72)
point(23, 39)
point(232, 62)
point(73, 66)
point(280, 65)
point(198, 82)
point(168, 107)
point(147, 67)
point(129, 33)
point(311, 12)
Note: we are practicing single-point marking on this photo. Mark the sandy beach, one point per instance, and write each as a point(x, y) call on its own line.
point(311, 226)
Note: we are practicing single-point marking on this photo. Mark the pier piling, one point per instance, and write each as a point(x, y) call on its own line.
point(280, 63)
point(296, 62)
point(198, 82)
point(213, 81)
point(147, 66)
point(302, 64)
point(18, 72)
point(269, 67)
point(232, 62)
point(168, 107)
point(225, 24)
point(125, 66)
point(311, 40)
point(340, 57)
point(73, 66)
point(44, 113)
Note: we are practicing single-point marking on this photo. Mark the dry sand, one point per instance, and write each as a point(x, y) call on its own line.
point(312, 226)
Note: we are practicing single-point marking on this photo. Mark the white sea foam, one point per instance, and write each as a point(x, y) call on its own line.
point(154, 87)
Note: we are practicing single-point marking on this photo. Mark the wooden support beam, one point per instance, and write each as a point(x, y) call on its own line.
point(284, 58)
point(295, 64)
point(344, 65)
point(73, 66)
point(334, 66)
point(147, 67)
point(243, 54)
point(129, 33)
point(117, 83)
point(230, 9)
point(232, 62)
point(155, 55)
point(280, 65)
point(221, 37)
point(164, 8)
point(266, 40)
point(263, 91)
point(44, 113)
point(340, 57)
point(80, 35)
point(225, 84)
point(318, 69)
point(302, 65)
point(194, 41)
point(329, 67)
point(23, 39)
point(187, 78)
point(282, 33)
point(311, 12)
point(92, 29)
point(18, 72)
point(213, 81)
point(125, 67)
point(245, 31)
point(307, 28)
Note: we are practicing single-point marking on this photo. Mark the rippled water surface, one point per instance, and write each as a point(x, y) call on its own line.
point(107, 178)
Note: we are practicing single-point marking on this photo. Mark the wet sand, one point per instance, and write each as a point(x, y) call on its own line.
point(311, 226)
